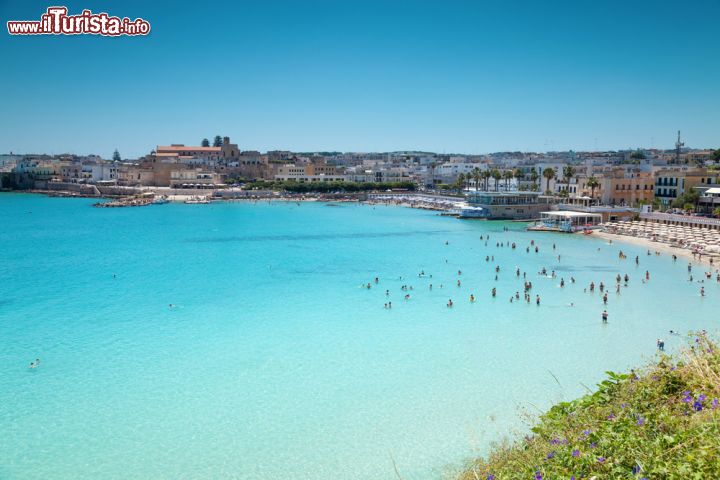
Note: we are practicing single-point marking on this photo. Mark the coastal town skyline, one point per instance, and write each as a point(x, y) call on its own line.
point(107, 153)
point(368, 76)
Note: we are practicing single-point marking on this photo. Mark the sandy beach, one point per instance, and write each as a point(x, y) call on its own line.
point(663, 248)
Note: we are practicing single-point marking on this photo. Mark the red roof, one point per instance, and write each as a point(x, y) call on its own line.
point(175, 148)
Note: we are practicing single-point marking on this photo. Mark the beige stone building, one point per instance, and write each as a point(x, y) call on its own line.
point(673, 183)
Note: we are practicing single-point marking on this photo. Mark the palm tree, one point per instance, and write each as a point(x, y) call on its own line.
point(460, 182)
point(593, 184)
point(507, 175)
point(432, 173)
point(496, 175)
point(534, 177)
point(568, 172)
point(476, 177)
point(549, 174)
point(486, 176)
point(518, 174)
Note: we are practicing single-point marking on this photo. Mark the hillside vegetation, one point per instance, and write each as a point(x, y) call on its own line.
point(658, 423)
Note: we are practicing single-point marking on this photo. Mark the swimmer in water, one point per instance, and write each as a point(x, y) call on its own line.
point(472, 297)
point(450, 303)
point(605, 316)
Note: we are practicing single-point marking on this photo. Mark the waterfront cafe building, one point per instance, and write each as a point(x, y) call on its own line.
point(569, 221)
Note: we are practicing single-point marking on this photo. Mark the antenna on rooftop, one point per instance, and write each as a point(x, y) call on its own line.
point(678, 146)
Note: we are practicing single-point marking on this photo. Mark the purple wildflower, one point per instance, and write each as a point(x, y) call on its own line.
point(623, 405)
point(697, 406)
point(491, 477)
point(586, 433)
point(601, 459)
point(636, 469)
point(611, 416)
point(538, 475)
point(554, 441)
point(550, 455)
point(593, 445)
point(640, 421)
point(576, 453)
point(715, 404)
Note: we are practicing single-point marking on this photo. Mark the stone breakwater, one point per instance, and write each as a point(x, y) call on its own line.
point(126, 202)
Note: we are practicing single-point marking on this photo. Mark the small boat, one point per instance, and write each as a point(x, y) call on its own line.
point(162, 199)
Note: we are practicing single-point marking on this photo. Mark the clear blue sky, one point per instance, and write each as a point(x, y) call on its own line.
point(450, 76)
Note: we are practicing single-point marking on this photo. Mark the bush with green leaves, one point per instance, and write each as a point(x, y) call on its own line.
point(659, 423)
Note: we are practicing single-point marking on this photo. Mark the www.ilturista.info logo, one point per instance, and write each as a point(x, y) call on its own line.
point(56, 21)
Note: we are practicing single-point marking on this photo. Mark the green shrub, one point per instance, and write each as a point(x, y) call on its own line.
point(661, 423)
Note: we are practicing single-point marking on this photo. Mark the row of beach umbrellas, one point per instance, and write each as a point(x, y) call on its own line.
point(698, 239)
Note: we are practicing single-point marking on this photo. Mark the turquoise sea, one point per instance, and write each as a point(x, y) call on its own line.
point(275, 362)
